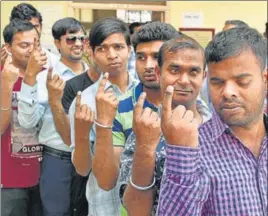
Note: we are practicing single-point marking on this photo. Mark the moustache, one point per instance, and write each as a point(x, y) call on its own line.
point(149, 71)
point(230, 103)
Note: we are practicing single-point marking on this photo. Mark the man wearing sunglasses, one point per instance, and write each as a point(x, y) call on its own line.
point(41, 96)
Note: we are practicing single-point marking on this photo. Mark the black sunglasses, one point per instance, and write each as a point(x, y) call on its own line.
point(70, 40)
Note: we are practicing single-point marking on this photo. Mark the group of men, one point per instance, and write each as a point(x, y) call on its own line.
point(188, 137)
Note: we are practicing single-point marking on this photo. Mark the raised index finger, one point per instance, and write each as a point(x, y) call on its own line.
point(49, 73)
point(167, 103)
point(78, 101)
point(103, 82)
point(139, 105)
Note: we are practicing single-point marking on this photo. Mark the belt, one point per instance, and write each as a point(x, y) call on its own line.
point(57, 153)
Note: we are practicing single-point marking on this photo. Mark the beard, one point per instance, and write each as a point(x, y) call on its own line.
point(155, 86)
point(242, 120)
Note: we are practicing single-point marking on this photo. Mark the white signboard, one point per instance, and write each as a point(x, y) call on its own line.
point(130, 16)
point(192, 19)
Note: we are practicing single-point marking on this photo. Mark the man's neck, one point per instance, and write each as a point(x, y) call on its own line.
point(251, 135)
point(154, 96)
point(76, 66)
point(121, 80)
point(93, 75)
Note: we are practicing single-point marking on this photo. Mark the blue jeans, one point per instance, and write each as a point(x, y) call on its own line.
point(55, 184)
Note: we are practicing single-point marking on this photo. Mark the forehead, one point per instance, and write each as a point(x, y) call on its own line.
point(27, 36)
point(116, 38)
point(149, 47)
point(228, 26)
point(80, 32)
point(35, 21)
point(245, 62)
point(137, 28)
point(185, 56)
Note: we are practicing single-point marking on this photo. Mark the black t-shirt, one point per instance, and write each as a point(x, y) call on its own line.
point(78, 83)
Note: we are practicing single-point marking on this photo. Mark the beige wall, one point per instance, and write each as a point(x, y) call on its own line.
point(215, 13)
point(50, 10)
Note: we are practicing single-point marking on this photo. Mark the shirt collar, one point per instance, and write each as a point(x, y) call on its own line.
point(62, 68)
point(218, 126)
point(203, 110)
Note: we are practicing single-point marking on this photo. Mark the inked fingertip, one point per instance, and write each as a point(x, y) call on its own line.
point(106, 74)
point(170, 88)
point(143, 94)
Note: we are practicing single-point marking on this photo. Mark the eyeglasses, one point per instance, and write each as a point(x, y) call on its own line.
point(70, 40)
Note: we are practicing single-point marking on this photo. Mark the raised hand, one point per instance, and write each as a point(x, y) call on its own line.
point(106, 103)
point(146, 126)
point(37, 60)
point(83, 117)
point(55, 87)
point(4, 55)
point(10, 73)
point(178, 126)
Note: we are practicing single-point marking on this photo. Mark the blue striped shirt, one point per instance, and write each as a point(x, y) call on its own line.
point(124, 117)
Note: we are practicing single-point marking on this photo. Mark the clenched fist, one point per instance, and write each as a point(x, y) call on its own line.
point(146, 126)
point(9, 74)
point(55, 87)
point(106, 103)
point(83, 119)
point(178, 126)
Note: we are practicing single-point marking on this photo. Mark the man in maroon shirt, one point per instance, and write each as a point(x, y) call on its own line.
point(19, 147)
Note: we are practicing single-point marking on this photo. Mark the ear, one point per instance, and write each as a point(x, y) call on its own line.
point(129, 51)
point(265, 76)
point(205, 74)
point(57, 44)
point(158, 72)
point(89, 51)
point(8, 48)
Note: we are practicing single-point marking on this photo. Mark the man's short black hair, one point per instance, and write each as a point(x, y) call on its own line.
point(66, 25)
point(154, 31)
point(104, 27)
point(176, 44)
point(15, 26)
point(236, 23)
point(227, 44)
point(133, 25)
point(25, 11)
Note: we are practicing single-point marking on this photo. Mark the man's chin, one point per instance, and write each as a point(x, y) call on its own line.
point(235, 120)
point(76, 58)
point(151, 85)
